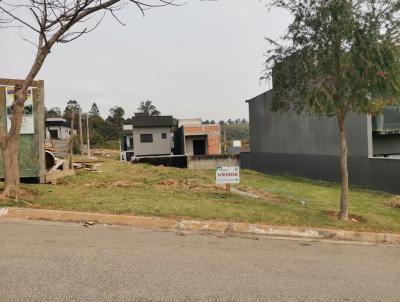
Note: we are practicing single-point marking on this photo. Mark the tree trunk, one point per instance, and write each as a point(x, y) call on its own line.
point(344, 212)
point(11, 170)
point(11, 151)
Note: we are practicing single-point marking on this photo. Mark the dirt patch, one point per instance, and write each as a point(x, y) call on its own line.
point(118, 184)
point(352, 217)
point(260, 193)
point(196, 185)
point(393, 203)
point(25, 199)
point(168, 182)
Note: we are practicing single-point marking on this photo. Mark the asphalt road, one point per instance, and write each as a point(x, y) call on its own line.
point(43, 261)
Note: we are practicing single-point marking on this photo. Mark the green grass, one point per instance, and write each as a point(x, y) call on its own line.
point(124, 188)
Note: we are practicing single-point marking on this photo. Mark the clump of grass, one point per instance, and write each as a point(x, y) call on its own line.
point(394, 202)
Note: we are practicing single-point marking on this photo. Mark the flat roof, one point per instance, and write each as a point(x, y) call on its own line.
point(57, 123)
point(152, 121)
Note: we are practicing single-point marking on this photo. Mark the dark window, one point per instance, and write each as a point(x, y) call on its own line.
point(131, 142)
point(164, 135)
point(54, 134)
point(146, 138)
point(199, 147)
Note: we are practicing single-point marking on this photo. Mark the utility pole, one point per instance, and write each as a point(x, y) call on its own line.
point(81, 136)
point(87, 135)
point(225, 141)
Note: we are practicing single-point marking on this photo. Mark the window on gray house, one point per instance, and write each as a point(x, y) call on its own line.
point(146, 138)
point(164, 135)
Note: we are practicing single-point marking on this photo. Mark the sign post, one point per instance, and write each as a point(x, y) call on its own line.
point(227, 176)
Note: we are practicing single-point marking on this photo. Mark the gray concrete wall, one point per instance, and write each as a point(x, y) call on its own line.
point(308, 146)
point(292, 133)
point(159, 146)
point(373, 173)
point(212, 161)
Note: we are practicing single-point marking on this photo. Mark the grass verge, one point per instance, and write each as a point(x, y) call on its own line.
point(123, 188)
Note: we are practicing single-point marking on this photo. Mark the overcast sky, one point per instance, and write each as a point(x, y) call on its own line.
point(203, 59)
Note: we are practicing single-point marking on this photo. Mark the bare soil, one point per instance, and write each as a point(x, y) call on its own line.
point(352, 217)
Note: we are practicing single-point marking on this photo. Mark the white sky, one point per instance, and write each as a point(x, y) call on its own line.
point(203, 59)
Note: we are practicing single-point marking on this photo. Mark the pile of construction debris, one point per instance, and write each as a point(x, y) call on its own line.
point(57, 163)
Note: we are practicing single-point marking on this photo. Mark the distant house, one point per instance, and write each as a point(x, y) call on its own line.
point(194, 138)
point(153, 135)
point(164, 136)
point(127, 142)
point(148, 136)
point(57, 128)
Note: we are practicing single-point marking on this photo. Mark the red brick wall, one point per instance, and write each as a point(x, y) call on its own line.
point(213, 136)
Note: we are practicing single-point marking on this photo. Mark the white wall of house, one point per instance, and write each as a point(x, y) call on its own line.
point(191, 121)
point(62, 132)
point(158, 146)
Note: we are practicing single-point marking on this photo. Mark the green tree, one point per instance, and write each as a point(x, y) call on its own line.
point(71, 113)
point(148, 108)
point(339, 56)
point(94, 111)
point(116, 116)
point(53, 112)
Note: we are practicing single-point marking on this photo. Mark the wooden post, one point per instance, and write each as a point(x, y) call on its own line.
point(120, 149)
point(87, 135)
point(81, 136)
point(228, 188)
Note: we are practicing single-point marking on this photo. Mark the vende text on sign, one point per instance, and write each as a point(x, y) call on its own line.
point(227, 175)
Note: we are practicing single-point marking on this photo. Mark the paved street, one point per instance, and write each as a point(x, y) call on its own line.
point(43, 261)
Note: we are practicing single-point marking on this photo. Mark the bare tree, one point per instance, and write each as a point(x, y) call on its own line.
point(51, 21)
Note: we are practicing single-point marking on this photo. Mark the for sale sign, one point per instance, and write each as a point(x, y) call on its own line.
point(227, 175)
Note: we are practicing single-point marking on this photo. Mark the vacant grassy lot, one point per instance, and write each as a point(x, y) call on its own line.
point(171, 192)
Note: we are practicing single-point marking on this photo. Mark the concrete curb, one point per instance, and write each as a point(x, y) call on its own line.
point(228, 228)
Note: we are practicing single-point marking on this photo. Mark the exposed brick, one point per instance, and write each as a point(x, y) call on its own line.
point(213, 133)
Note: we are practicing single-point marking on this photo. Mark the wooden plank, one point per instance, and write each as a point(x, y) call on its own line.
point(13, 82)
point(57, 165)
point(91, 161)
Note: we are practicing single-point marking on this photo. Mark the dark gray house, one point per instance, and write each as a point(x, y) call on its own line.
point(308, 146)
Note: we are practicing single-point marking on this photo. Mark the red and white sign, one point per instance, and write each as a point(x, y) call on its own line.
point(227, 175)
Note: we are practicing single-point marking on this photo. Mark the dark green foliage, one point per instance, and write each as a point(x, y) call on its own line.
point(239, 131)
point(72, 109)
point(53, 112)
point(340, 56)
point(148, 108)
point(94, 111)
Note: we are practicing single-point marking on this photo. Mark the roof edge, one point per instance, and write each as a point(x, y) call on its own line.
point(257, 96)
